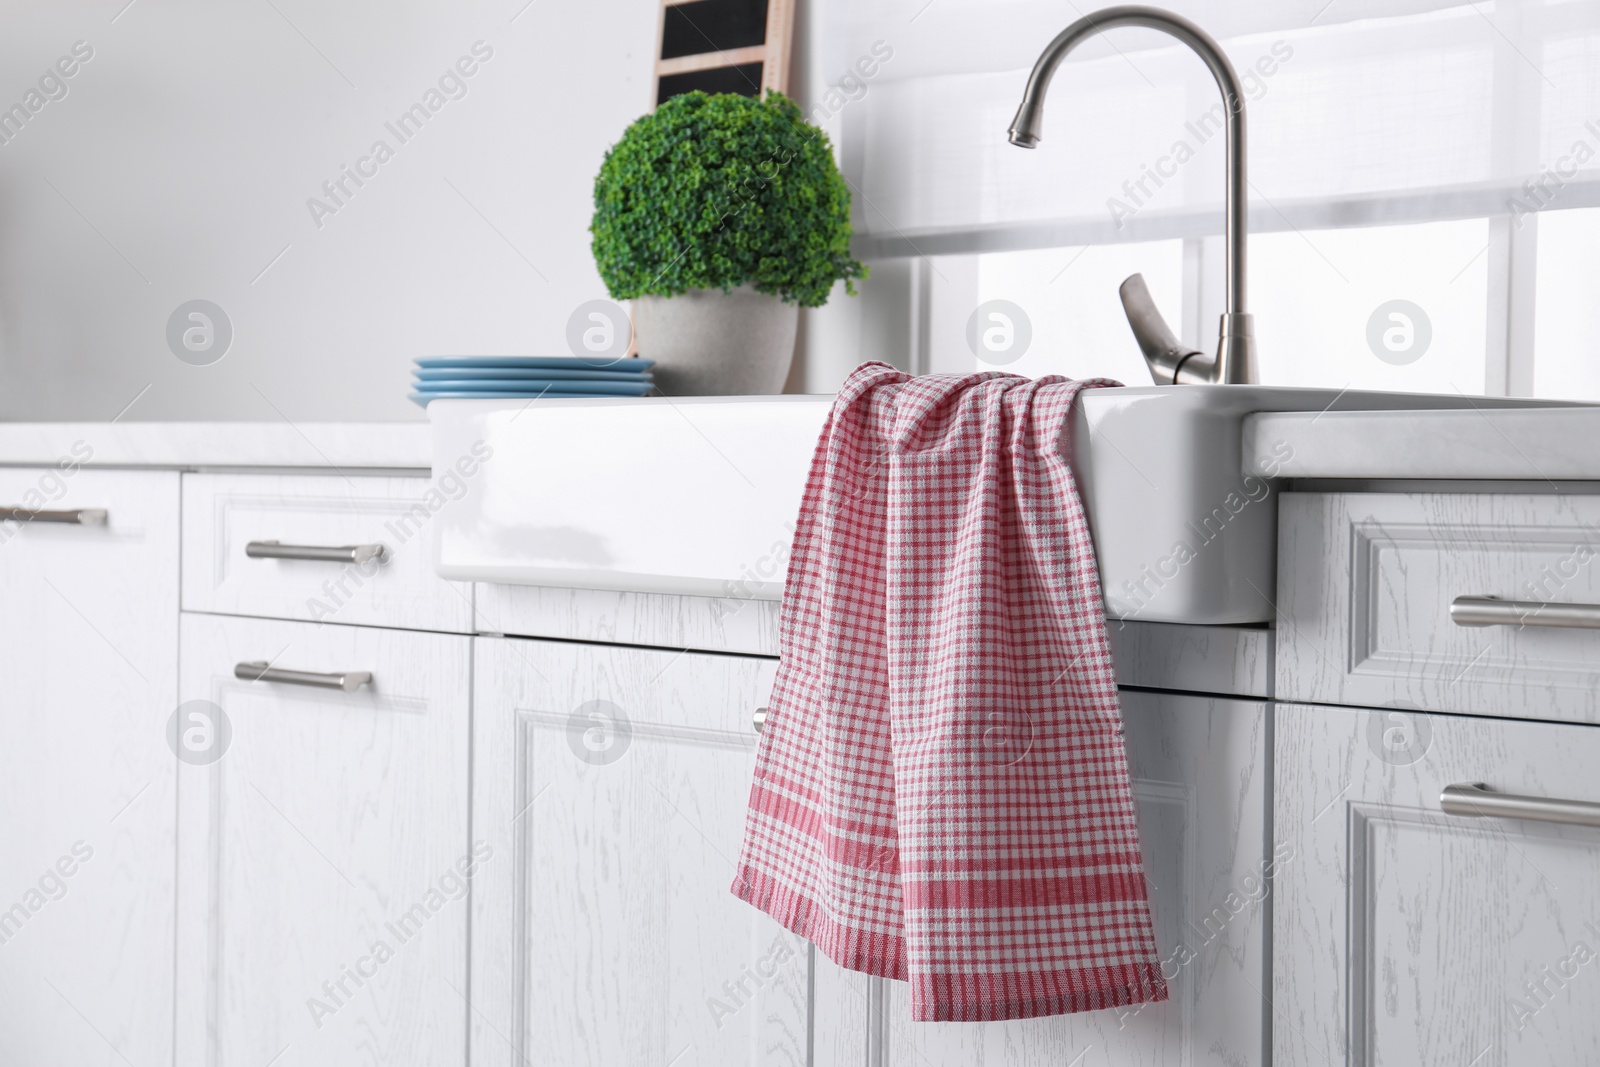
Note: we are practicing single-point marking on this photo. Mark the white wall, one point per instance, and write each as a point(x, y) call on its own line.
point(179, 164)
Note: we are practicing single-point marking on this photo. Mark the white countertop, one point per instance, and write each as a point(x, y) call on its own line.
point(1523, 444)
point(1518, 444)
point(390, 445)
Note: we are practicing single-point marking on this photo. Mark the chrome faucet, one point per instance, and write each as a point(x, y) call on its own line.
point(1171, 362)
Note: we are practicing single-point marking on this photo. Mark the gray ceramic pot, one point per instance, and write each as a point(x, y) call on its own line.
point(710, 343)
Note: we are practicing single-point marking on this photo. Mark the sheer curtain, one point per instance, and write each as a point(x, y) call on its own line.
point(1403, 154)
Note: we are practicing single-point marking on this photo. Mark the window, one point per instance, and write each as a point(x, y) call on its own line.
point(1398, 308)
point(1425, 183)
point(1567, 311)
point(1047, 311)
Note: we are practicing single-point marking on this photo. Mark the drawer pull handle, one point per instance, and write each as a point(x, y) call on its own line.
point(1474, 799)
point(259, 671)
point(1492, 611)
point(759, 719)
point(75, 517)
point(319, 553)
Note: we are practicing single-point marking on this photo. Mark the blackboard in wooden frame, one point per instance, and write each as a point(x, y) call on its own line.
point(723, 46)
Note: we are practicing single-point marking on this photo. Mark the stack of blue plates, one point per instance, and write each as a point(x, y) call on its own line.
point(524, 377)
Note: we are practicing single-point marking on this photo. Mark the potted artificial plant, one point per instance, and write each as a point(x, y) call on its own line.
point(720, 217)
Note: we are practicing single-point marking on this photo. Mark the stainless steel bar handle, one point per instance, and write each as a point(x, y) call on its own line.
point(759, 719)
point(1474, 799)
point(319, 553)
point(259, 671)
point(1492, 611)
point(75, 517)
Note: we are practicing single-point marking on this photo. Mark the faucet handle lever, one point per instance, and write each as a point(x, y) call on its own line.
point(1170, 360)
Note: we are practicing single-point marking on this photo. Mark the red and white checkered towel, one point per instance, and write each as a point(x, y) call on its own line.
point(941, 792)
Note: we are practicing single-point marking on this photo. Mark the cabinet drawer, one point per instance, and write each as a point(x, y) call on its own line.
point(324, 853)
point(223, 514)
point(1366, 583)
point(1405, 934)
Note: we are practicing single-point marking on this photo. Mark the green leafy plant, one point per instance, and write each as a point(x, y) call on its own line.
point(713, 192)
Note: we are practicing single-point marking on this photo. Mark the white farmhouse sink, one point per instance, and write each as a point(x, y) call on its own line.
point(1183, 531)
point(694, 496)
point(697, 496)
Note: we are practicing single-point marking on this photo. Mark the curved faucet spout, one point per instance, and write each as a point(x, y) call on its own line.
point(1236, 358)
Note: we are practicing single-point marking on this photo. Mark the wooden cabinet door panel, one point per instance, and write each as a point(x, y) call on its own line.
point(325, 855)
point(612, 784)
point(1404, 935)
point(88, 672)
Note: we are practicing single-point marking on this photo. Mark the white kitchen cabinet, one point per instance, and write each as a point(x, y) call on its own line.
point(707, 624)
point(88, 664)
point(1201, 778)
point(324, 853)
point(1404, 935)
point(224, 514)
point(611, 784)
point(1366, 583)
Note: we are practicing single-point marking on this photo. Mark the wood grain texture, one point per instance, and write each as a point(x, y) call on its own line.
point(1406, 936)
point(89, 656)
point(1201, 773)
point(1365, 585)
point(780, 45)
point(330, 818)
point(1225, 660)
point(728, 57)
point(849, 1023)
point(222, 512)
point(705, 623)
point(605, 933)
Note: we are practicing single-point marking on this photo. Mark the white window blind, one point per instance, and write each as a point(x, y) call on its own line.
point(1418, 147)
point(1448, 107)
